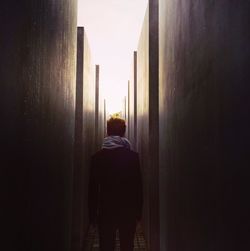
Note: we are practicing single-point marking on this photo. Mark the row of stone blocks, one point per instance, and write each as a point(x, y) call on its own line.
point(89, 131)
point(188, 118)
point(49, 113)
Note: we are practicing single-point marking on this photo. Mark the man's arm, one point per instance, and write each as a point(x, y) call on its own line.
point(93, 192)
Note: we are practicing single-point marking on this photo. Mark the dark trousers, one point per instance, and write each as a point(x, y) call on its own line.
point(107, 234)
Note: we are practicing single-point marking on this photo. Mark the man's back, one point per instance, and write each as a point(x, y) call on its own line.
point(115, 183)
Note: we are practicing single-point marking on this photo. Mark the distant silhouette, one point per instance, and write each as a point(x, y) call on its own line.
point(115, 189)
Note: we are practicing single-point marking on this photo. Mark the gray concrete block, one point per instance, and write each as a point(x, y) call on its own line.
point(132, 103)
point(148, 122)
point(204, 132)
point(38, 45)
point(97, 104)
point(105, 116)
point(84, 137)
point(99, 112)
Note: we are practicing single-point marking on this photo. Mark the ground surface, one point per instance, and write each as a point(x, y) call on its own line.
point(92, 243)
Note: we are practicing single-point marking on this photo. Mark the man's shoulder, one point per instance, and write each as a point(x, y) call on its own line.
point(104, 152)
point(127, 153)
point(97, 154)
point(133, 153)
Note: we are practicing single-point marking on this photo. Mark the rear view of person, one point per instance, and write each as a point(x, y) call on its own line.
point(115, 189)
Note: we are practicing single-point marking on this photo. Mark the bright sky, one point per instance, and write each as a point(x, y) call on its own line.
point(113, 28)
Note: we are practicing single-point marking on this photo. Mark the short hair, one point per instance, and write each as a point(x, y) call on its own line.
point(116, 127)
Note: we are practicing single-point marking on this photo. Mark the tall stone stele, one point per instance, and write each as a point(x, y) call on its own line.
point(37, 100)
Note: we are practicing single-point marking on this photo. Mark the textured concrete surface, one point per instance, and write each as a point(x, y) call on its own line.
point(204, 125)
point(38, 46)
point(147, 121)
point(132, 103)
point(84, 136)
point(127, 109)
point(142, 116)
point(105, 117)
point(99, 111)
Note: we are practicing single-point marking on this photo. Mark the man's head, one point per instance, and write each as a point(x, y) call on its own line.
point(116, 127)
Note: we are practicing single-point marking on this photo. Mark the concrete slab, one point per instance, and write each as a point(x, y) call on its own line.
point(132, 103)
point(148, 122)
point(84, 136)
point(99, 112)
point(204, 133)
point(37, 75)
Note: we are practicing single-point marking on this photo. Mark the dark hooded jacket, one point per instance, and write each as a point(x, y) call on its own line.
point(115, 186)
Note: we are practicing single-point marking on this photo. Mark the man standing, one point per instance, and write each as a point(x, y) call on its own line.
point(115, 189)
